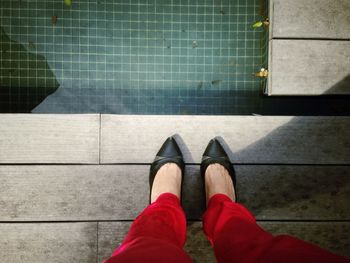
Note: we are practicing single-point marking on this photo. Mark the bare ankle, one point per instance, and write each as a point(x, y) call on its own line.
point(167, 180)
point(218, 181)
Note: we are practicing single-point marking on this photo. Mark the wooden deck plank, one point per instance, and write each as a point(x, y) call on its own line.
point(75, 192)
point(110, 236)
point(43, 242)
point(309, 67)
point(120, 192)
point(252, 139)
point(310, 19)
point(332, 236)
point(295, 192)
point(49, 138)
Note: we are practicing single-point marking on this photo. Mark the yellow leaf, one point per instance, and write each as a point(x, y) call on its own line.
point(68, 2)
point(257, 24)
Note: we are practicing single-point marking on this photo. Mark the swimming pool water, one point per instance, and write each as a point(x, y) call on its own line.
point(142, 57)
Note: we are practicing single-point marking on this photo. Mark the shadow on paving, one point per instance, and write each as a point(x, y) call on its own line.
point(290, 192)
point(269, 189)
point(341, 87)
point(26, 78)
point(306, 186)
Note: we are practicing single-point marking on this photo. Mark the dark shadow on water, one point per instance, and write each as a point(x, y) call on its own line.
point(26, 78)
point(178, 101)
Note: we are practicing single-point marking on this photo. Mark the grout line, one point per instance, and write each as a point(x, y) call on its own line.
point(189, 220)
point(97, 248)
point(310, 38)
point(140, 164)
point(99, 140)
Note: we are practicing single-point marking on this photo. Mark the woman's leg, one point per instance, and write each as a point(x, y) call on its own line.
point(158, 234)
point(236, 237)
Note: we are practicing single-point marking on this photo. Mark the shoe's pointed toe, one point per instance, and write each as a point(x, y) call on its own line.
point(215, 153)
point(170, 152)
point(214, 150)
point(169, 149)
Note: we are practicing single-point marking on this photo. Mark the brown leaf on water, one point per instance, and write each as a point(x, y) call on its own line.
point(200, 85)
point(216, 82)
point(54, 20)
point(31, 44)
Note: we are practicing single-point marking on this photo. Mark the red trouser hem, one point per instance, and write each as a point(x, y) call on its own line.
point(236, 237)
point(158, 235)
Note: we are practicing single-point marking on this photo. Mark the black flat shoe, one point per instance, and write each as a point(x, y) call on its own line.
point(169, 153)
point(215, 153)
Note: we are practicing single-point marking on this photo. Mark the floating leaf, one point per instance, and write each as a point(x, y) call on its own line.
point(68, 2)
point(31, 44)
point(257, 24)
point(54, 20)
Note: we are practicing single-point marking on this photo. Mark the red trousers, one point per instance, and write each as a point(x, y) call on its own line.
point(159, 233)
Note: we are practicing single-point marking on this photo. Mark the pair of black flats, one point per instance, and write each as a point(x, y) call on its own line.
point(170, 153)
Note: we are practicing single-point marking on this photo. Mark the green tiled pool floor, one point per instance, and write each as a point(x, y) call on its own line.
point(121, 56)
